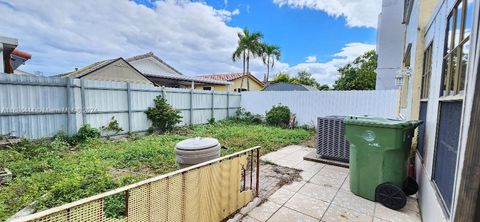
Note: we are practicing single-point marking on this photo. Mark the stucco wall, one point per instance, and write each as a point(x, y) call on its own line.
point(118, 71)
point(152, 66)
point(254, 86)
point(389, 43)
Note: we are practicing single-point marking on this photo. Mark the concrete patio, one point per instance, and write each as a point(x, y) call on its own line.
point(321, 195)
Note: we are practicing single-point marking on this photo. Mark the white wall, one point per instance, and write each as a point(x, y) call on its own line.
point(389, 43)
point(308, 105)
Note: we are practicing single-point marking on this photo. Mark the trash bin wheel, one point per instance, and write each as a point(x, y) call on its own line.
point(410, 186)
point(390, 196)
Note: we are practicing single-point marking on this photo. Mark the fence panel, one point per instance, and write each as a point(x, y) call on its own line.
point(27, 107)
point(209, 191)
point(309, 105)
point(36, 107)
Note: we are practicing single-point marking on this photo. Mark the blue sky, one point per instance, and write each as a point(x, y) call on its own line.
point(195, 37)
point(299, 32)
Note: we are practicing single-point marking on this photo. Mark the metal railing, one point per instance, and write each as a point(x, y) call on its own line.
point(210, 191)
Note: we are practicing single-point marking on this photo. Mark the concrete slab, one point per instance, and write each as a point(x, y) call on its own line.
point(288, 215)
point(307, 205)
point(403, 215)
point(264, 211)
point(281, 196)
point(318, 192)
point(351, 201)
point(337, 213)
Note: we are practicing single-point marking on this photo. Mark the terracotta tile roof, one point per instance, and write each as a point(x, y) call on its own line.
point(229, 77)
point(22, 54)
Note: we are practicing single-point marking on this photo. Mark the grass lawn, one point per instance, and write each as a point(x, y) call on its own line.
point(52, 173)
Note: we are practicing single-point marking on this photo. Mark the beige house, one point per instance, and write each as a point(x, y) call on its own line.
point(117, 70)
point(162, 74)
point(236, 82)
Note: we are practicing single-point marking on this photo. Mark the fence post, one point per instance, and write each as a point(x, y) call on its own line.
point(191, 107)
point(82, 96)
point(129, 104)
point(213, 104)
point(69, 105)
point(228, 104)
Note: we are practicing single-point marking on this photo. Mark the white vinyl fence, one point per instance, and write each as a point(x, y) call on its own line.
point(308, 105)
point(36, 107)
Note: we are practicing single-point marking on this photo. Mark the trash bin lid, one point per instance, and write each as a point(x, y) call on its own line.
point(197, 143)
point(380, 122)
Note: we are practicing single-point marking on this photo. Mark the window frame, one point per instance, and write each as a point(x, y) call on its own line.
point(427, 71)
point(451, 49)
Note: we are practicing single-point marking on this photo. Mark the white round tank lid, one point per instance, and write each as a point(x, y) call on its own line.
point(197, 143)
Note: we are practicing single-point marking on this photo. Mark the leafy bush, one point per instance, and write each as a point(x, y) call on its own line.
point(84, 133)
point(211, 121)
point(278, 116)
point(112, 126)
point(247, 117)
point(59, 144)
point(150, 130)
point(163, 116)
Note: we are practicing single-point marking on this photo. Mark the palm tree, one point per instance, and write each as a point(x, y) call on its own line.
point(249, 45)
point(270, 54)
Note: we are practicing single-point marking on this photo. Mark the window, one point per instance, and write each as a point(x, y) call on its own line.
point(427, 72)
point(207, 88)
point(457, 46)
point(240, 90)
point(407, 11)
point(424, 90)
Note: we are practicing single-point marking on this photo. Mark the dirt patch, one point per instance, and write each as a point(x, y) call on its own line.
point(273, 176)
point(312, 142)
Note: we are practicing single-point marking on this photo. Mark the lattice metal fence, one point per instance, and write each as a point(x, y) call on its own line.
point(210, 191)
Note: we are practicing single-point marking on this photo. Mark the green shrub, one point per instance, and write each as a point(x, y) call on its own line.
point(278, 116)
point(247, 117)
point(163, 116)
point(133, 136)
point(59, 144)
point(62, 136)
point(30, 148)
point(112, 126)
point(211, 121)
point(84, 133)
point(150, 130)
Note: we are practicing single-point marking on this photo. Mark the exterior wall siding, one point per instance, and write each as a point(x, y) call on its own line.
point(37, 107)
point(427, 24)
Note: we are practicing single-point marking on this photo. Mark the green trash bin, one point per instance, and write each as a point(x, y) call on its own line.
point(379, 151)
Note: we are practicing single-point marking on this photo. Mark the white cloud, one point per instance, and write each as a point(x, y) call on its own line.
point(191, 36)
point(326, 72)
point(311, 58)
point(61, 35)
point(358, 13)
